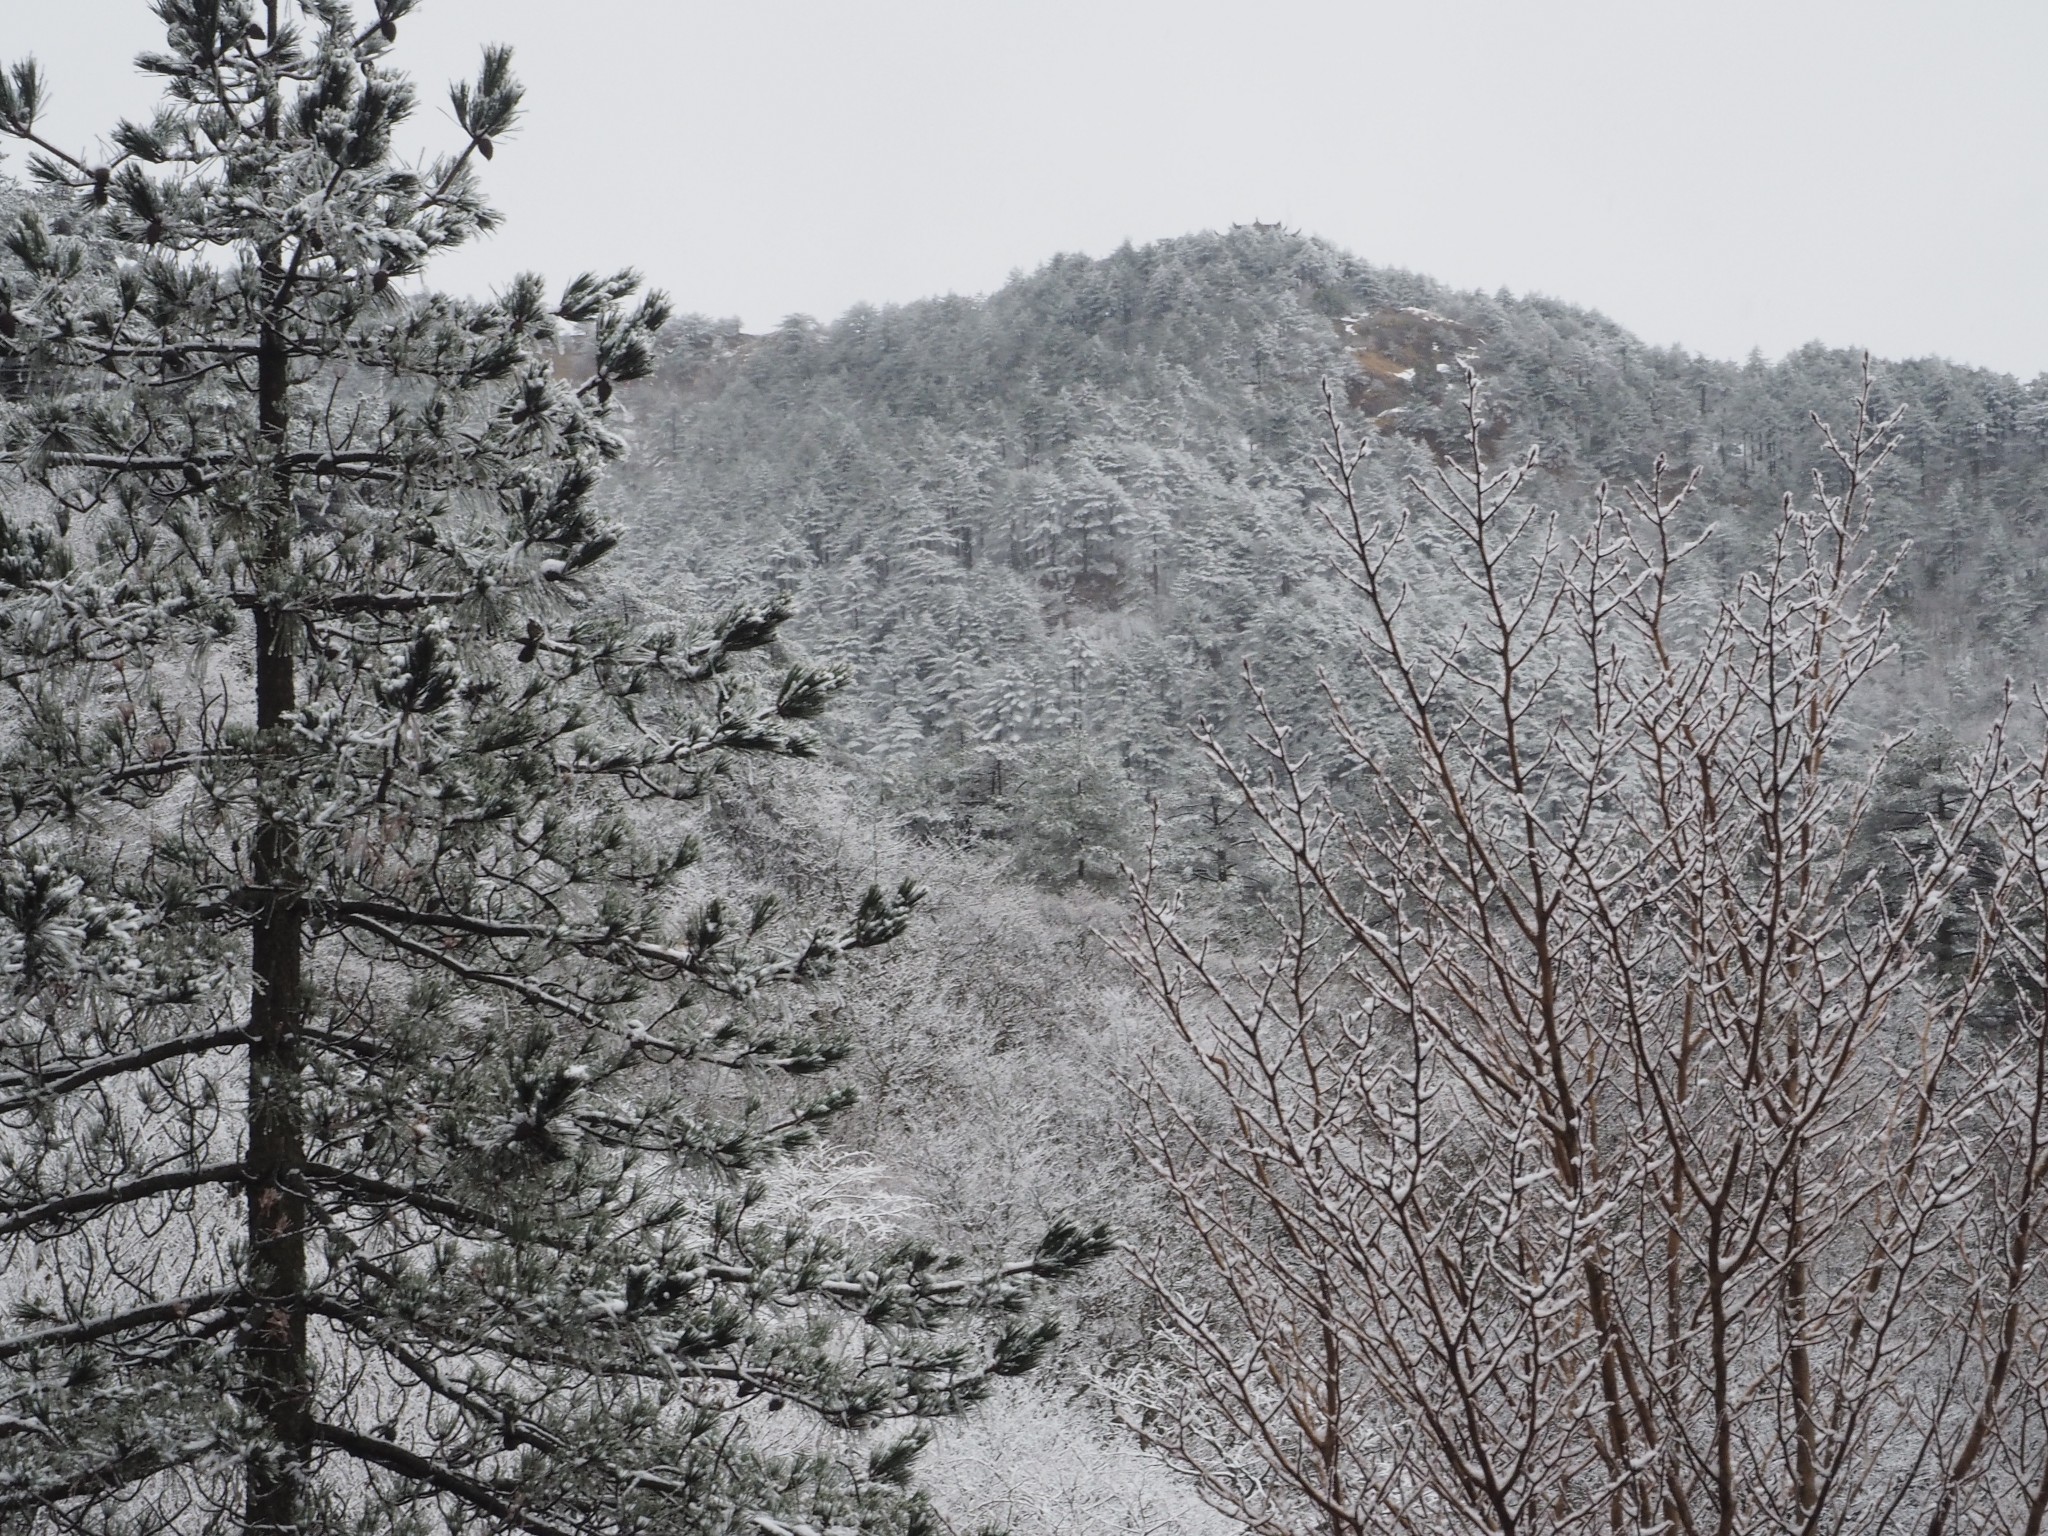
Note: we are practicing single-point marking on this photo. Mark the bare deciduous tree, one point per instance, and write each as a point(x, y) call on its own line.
point(1608, 1133)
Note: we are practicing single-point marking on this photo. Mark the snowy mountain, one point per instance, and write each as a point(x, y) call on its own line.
point(1047, 528)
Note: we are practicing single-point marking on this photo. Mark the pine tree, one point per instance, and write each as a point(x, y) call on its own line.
point(376, 1118)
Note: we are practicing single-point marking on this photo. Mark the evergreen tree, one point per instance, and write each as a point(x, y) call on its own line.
point(376, 1117)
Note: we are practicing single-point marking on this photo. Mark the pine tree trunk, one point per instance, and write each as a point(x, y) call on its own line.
point(277, 1372)
point(274, 1339)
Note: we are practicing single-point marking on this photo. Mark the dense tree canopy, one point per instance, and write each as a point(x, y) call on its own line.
point(1071, 508)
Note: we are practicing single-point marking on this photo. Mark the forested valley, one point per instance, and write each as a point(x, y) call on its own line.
point(1224, 890)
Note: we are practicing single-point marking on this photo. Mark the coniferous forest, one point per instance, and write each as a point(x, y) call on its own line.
point(1225, 890)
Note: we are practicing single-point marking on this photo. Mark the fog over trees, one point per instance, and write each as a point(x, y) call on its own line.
point(1224, 890)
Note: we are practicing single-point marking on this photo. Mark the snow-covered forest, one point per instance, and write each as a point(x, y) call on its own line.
point(1045, 528)
point(1051, 533)
point(1222, 891)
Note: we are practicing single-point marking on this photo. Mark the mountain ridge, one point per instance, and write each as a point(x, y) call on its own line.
point(1047, 527)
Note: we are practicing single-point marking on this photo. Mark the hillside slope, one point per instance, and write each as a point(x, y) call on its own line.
point(1047, 528)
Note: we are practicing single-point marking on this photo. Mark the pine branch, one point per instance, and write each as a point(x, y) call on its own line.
point(182, 1309)
point(64, 1077)
point(108, 1477)
point(368, 602)
point(378, 1191)
point(415, 1468)
point(519, 986)
point(23, 1218)
point(670, 962)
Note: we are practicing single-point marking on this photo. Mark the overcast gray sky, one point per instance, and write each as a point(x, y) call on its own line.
point(1720, 175)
